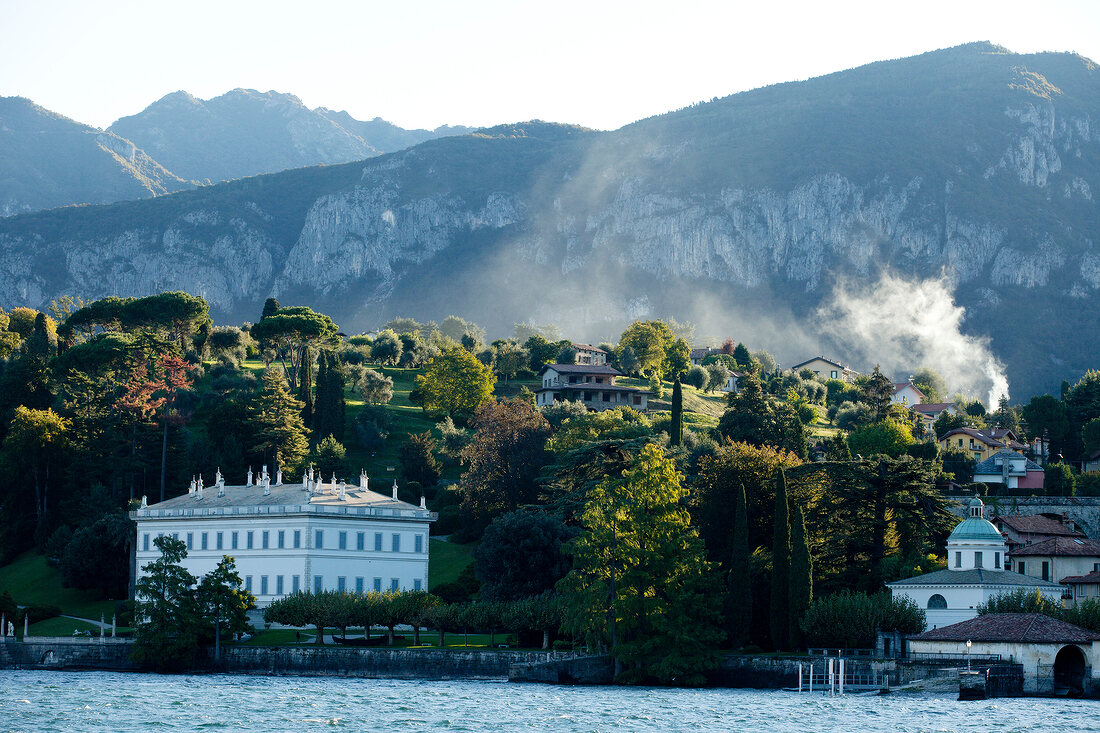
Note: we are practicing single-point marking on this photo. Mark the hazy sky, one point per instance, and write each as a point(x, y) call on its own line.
point(421, 64)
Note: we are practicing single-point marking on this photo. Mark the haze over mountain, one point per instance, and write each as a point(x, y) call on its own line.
point(244, 133)
point(845, 215)
point(48, 160)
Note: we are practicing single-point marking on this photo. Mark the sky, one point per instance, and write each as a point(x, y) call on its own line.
point(597, 63)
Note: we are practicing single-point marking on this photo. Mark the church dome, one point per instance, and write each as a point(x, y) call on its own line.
point(975, 529)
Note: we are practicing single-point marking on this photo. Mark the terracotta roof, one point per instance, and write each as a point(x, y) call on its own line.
point(1003, 433)
point(1093, 577)
point(588, 347)
point(1059, 547)
point(975, 576)
point(1032, 628)
point(1036, 524)
point(601, 369)
point(902, 385)
point(977, 434)
point(934, 407)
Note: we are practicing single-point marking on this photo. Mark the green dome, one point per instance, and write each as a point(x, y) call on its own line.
point(974, 528)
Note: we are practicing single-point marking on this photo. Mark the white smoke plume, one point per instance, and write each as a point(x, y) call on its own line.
point(903, 324)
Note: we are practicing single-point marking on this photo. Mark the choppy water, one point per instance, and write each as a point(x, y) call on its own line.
point(103, 701)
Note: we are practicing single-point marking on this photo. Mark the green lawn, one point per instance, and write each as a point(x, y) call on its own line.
point(32, 581)
point(446, 560)
point(63, 627)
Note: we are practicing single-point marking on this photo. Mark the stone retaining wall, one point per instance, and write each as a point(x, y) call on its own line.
point(64, 652)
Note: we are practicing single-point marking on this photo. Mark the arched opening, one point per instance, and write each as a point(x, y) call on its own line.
point(937, 601)
point(1069, 670)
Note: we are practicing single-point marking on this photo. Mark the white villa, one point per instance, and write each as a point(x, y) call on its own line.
point(976, 571)
point(593, 385)
point(310, 535)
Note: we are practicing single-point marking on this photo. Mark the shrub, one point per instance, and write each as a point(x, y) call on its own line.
point(697, 377)
point(39, 612)
point(851, 620)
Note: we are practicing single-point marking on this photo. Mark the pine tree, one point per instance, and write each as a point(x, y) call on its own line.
point(305, 388)
point(277, 420)
point(271, 307)
point(676, 429)
point(329, 410)
point(878, 392)
point(739, 596)
point(801, 580)
point(781, 566)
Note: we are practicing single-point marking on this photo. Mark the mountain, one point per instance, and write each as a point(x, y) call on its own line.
point(48, 160)
point(388, 137)
point(936, 209)
point(245, 133)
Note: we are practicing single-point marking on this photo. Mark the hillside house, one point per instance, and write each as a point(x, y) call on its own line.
point(1057, 558)
point(733, 382)
point(827, 369)
point(1011, 470)
point(309, 535)
point(1081, 588)
point(906, 394)
point(930, 412)
point(593, 385)
point(589, 355)
point(1027, 529)
point(980, 445)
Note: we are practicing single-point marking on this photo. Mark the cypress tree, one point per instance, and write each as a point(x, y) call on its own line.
point(329, 409)
point(676, 429)
point(781, 566)
point(271, 307)
point(739, 595)
point(801, 582)
point(305, 387)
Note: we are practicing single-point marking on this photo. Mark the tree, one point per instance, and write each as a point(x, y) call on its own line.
point(504, 459)
point(676, 430)
point(455, 328)
point(223, 603)
point(35, 438)
point(947, 422)
point(98, 556)
point(886, 437)
point(329, 456)
point(1090, 436)
point(455, 383)
point(540, 351)
point(878, 393)
point(717, 376)
point(293, 331)
point(781, 566)
point(329, 412)
point(386, 349)
point(418, 462)
point(753, 418)
point(521, 555)
point(175, 377)
point(697, 377)
point(1045, 417)
point(640, 580)
point(801, 577)
point(375, 388)
point(165, 613)
point(930, 383)
point(1005, 416)
point(738, 596)
point(651, 342)
point(743, 358)
point(277, 422)
point(305, 388)
point(1059, 480)
point(628, 360)
point(851, 620)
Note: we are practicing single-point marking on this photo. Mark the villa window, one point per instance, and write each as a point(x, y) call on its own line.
point(319, 540)
point(278, 585)
point(418, 544)
point(218, 540)
point(295, 583)
point(263, 585)
point(297, 538)
point(341, 583)
point(958, 559)
point(205, 541)
point(145, 543)
point(377, 585)
point(360, 541)
point(248, 583)
point(233, 540)
point(265, 539)
point(1020, 567)
point(395, 584)
point(996, 561)
point(378, 542)
point(1046, 570)
point(190, 536)
point(359, 585)
point(343, 540)
point(937, 602)
point(248, 540)
point(318, 584)
point(397, 543)
point(977, 559)
point(418, 584)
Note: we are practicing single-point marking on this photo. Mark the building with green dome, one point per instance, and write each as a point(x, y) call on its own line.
point(976, 571)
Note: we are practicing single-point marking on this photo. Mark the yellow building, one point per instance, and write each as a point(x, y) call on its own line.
point(978, 444)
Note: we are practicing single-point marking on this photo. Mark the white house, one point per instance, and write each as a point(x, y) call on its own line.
point(827, 369)
point(310, 535)
point(906, 395)
point(593, 385)
point(976, 571)
point(733, 382)
point(1012, 470)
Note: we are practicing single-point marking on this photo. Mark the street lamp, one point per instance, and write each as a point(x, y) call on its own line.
point(968, 643)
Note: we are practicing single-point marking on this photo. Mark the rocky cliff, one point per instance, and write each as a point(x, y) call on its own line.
point(973, 167)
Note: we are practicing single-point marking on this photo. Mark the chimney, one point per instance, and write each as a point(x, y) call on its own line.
point(423, 502)
point(395, 489)
point(279, 477)
point(144, 501)
point(199, 494)
point(343, 491)
point(221, 489)
point(191, 488)
point(333, 489)
point(267, 486)
point(249, 481)
point(363, 480)
point(218, 478)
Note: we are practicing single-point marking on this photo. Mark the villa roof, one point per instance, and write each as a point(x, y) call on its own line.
point(1059, 547)
point(898, 386)
point(992, 465)
point(282, 495)
point(976, 434)
point(1036, 524)
point(1093, 577)
point(590, 387)
point(974, 576)
point(934, 407)
point(1011, 627)
point(588, 347)
point(818, 358)
point(601, 369)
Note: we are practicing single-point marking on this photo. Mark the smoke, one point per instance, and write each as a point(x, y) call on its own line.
point(902, 324)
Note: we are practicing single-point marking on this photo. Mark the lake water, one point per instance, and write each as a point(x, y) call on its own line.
point(102, 701)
